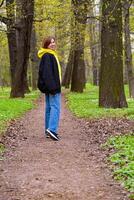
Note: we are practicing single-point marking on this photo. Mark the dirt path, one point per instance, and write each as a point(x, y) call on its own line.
point(36, 168)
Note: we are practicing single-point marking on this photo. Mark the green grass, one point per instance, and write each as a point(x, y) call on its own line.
point(14, 108)
point(86, 105)
point(123, 159)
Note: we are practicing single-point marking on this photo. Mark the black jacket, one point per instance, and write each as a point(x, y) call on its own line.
point(48, 79)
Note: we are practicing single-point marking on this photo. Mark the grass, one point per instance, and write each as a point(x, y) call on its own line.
point(123, 160)
point(13, 108)
point(86, 105)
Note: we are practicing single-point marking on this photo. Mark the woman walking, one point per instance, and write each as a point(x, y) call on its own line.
point(49, 82)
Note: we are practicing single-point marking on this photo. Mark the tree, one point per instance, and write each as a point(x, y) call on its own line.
point(19, 25)
point(69, 68)
point(111, 89)
point(94, 34)
point(128, 53)
point(80, 10)
point(25, 12)
point(11, 35)
point(34, 60)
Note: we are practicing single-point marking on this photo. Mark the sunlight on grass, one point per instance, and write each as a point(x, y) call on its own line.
point(86, 105)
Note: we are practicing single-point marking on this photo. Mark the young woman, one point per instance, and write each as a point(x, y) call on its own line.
point(49, 82)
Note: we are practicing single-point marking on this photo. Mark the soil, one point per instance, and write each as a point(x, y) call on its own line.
point(74, 168)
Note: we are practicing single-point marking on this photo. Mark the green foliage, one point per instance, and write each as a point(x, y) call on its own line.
point(86, 105)
point(51, 15)
point(14, 108)
point(4, 60)
point(123, 159)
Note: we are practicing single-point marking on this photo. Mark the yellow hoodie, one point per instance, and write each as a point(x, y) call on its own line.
point(42, 51)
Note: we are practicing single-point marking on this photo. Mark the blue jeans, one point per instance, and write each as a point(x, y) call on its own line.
point(52, 112)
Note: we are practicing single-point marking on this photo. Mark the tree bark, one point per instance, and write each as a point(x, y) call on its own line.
point(25, 10)
point(11, 36)
point(128, 53)
point(67, 76)
point(34, 59)
point(80, 10)
point(111, 88)
point(68, 72)
point(94, 31)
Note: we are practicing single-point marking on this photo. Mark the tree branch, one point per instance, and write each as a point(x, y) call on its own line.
point(94, 17)
point(4, 20)
point(2, 3)
point(41, 20)
point(3, 30)
point(127, 3)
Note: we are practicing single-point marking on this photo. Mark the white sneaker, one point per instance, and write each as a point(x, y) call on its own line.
point(52, 134)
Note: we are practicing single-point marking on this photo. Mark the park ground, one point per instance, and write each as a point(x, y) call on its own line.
point(74, 168)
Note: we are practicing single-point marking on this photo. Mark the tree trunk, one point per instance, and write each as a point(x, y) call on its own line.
point(34, 60)
point(25, 9)
point(78, 75)
point(69, 68)
point(68, 72)
point(128, 53)
point(94, 31)
point(111, 88)
point(11, 36)
point(26, 83)
point(95, 62)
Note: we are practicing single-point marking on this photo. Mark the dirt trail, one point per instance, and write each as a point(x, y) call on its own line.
point(36, 168)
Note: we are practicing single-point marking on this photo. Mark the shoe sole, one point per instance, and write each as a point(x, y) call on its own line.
point(52, 135)
point(47, 135)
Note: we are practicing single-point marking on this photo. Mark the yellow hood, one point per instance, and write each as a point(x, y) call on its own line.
point(42, 51)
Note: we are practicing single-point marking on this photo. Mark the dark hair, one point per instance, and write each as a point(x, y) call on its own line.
point(47, 41)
